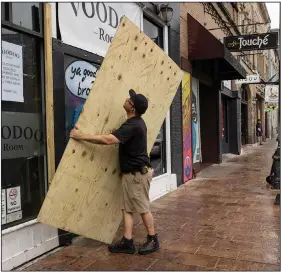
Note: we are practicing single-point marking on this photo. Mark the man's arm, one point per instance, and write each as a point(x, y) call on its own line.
point(108, 139)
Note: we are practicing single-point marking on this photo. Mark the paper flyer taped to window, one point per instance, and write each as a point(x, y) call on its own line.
point(12, 72)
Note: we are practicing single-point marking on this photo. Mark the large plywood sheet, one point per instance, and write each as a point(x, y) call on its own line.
point(84, 196)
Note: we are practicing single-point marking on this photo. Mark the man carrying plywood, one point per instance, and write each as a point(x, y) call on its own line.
point(136, 172)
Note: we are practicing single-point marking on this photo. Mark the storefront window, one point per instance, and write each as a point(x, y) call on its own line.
point(22, 129)
point(77, 88)
point(158, 152)
point(30, 18)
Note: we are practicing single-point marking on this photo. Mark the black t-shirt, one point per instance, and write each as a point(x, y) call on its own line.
point(133, 145)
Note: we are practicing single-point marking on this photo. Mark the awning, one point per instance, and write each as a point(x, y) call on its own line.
point(206, 49)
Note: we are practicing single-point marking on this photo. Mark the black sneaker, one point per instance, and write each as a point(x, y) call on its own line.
point(123, 246)
point(151, 245)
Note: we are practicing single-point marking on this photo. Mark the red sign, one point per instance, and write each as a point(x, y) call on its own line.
point(13, 193)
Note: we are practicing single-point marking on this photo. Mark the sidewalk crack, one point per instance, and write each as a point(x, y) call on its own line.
point(152, 264)
point(197, 249)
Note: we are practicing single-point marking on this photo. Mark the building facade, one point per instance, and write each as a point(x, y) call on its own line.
point(255, 19)
point(24, 173)
point(214, 102)
point(211, 115)
point(225, 108)
point(75, 49)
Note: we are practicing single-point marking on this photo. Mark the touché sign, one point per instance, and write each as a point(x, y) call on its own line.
point(259, 41)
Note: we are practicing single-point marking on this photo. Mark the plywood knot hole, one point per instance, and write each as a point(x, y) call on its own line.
point(170, 67)
point(143, 56)
point(98, 114)
point(106, 204)
point(106, 119)
point(84, 153)
point(161, 72)
point(162, 63)
point(175, 73)
point(123, 24)
point(73, 151)
point(73, 166)
point(136, 38)
point(119, 77)
point(92, 157)
point(151, 50)
point(76, 190)
point(111, 66)
point(114, 171)
point(119, 56)
point(168, 78)
point(135, 48)
point(145, 43)
point(105, 169)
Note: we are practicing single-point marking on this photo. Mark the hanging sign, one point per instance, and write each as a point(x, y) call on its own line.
point(12, 72)
point(91, 26)
point(255, 78)
point(271, 94)
point(259, 41)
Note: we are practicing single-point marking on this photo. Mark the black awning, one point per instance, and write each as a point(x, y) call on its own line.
point(205, 48)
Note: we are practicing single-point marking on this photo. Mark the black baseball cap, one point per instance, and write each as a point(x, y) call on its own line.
point(140, 102)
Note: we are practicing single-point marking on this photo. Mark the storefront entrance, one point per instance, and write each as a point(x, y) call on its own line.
point(224, 124)
point(244, 123)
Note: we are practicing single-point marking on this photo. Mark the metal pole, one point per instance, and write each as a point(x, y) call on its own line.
point(252, 24)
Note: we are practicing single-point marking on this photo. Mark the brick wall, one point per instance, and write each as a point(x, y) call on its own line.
point(176, 108)
point(196, 10)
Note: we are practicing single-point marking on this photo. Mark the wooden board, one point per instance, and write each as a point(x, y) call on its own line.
point(84, 196)
point(49, 90)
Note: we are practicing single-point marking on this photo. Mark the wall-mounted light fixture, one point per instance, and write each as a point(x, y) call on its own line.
point(165, 12)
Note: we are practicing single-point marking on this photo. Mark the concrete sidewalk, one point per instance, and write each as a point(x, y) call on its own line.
point(223, 220)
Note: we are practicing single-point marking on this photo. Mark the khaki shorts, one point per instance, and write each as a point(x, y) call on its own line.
point(136, 192)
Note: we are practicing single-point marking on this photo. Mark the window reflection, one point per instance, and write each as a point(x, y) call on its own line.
point(29, 19)
point(158, 151)
point(23, 141)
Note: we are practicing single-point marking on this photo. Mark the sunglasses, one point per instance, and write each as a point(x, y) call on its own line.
point(128, 100)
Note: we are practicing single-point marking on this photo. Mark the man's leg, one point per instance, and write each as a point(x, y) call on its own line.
point(126, 244)
point(128, 224)
point(152, 243)
point(148, 221)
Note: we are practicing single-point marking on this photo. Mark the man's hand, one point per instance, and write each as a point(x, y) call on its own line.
point(109, 139)
point(76, 134)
